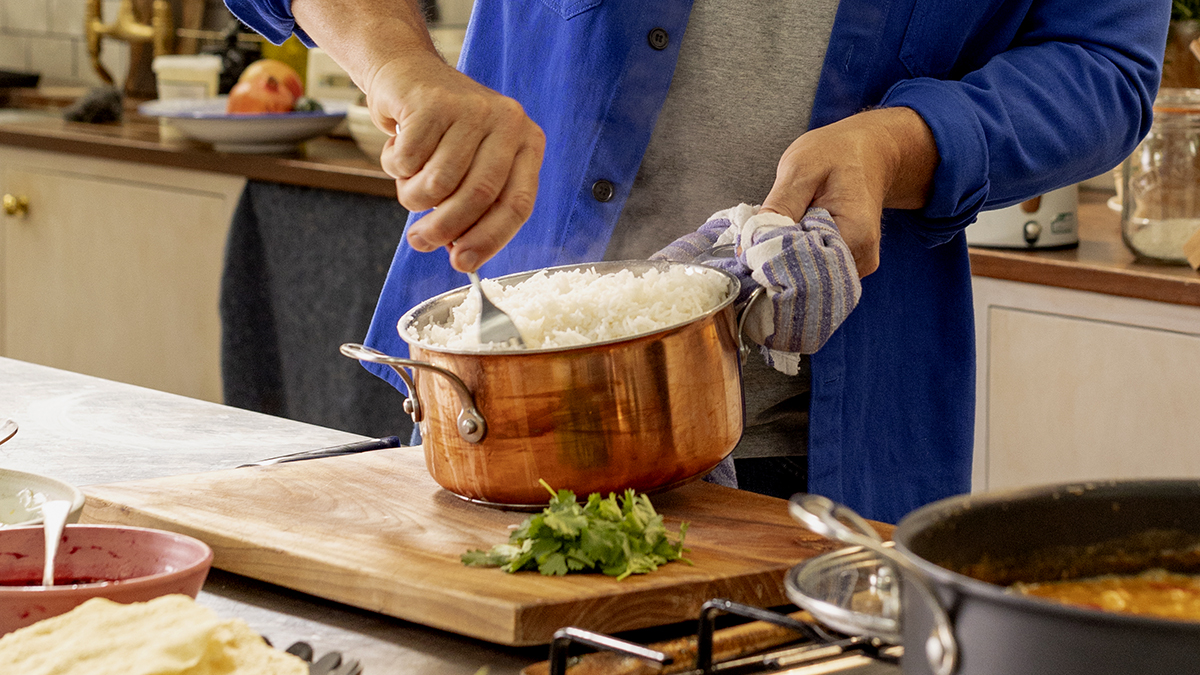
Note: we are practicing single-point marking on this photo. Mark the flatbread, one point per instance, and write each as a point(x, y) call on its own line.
point(170, 635)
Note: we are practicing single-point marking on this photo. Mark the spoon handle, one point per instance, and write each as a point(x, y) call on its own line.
point(8, 427)
point(54, 519)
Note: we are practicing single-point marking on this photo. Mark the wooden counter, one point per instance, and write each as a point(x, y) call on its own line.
point(1101, 263)
point(329, 163)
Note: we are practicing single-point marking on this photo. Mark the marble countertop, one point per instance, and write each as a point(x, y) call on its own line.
point(86, 431)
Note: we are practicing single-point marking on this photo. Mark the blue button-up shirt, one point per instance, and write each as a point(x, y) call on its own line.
point(1022, 96)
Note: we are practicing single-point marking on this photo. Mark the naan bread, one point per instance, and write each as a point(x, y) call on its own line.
point(171, 635)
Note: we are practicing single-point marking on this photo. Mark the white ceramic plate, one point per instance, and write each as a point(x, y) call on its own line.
point(12, 509)
point(364, 132)
point(205, 120)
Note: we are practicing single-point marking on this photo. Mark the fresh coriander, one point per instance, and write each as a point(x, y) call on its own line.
point(603, 535)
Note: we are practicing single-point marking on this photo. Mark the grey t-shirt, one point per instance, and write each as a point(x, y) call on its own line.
point(741, 94)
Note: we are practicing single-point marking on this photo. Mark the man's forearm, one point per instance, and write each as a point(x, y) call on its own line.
point(915, 154)
point(362, 35)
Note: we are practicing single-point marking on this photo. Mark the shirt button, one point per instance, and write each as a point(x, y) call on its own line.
point(603, 190)
point(658, 39)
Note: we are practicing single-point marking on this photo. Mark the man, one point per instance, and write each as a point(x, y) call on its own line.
point(582, 129)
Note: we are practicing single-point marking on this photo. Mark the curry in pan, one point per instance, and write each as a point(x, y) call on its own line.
point(1154, 592)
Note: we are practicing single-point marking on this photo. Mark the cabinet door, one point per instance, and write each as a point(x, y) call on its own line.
point(1078, 386)
point(115, 270)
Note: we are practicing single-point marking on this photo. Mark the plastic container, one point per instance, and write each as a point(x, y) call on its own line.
point(327, 81)
point(1160, 195)
point(187, 75)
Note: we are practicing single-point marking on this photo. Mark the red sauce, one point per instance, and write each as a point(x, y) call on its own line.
point(58, 581)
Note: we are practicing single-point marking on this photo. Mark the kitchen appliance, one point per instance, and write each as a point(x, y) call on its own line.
point(1048, 221)
point(648, 412)
point(955, 559)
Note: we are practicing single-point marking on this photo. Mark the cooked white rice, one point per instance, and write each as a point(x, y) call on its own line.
point(568, 308)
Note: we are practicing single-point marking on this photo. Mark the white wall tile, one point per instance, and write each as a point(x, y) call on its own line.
point(14, 52)
point(108, 10)
point(454, 12)
point(26, 15)
point(66, 16)
point(114, 55)
point(54, 58)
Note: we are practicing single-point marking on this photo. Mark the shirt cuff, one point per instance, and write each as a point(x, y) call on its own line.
point(960, 182)
point(271, 19)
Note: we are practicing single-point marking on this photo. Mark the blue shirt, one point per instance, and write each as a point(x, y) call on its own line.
point(1022, 97)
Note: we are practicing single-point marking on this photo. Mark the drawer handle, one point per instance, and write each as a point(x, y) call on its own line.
point(16, 206)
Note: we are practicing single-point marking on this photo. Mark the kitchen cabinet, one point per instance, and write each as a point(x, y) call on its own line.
point(1075, 386)
point(114, 269)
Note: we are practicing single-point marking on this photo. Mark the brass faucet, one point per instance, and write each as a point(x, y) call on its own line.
point(160, 30)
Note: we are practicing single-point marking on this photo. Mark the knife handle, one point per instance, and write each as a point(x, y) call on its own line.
point(334, 451)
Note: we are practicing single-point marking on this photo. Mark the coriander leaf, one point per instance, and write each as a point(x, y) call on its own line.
point(578, 560)
point(540, 548)
point(554, 564)
point(566, 524)
point(483, 559)
point(618, 537)
point(607, 509)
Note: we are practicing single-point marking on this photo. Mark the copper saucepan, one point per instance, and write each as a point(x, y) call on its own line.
point(649, 412)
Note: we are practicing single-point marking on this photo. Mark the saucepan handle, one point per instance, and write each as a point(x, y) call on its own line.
point(471, 424)
point(717, 252)
point(744, 346)
point(835, 521)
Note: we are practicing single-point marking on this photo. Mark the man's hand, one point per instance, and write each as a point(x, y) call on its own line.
point(460, 148)
point(854, 168)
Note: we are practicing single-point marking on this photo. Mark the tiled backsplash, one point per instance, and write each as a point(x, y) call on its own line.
point(47, 37)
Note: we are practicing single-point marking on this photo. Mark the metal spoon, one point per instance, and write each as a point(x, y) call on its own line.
point(8, 428)
point(494, 324)
point(54, 519)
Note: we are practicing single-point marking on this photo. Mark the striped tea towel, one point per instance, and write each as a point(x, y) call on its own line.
point(807, 270)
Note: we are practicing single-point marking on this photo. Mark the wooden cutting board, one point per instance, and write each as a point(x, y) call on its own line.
point(374, 531)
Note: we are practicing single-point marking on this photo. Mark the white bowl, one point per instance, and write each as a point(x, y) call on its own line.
point(370, 138)
point(12, 509)
point(205, 120)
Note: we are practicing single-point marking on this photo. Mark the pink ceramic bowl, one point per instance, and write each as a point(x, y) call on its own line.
point(124, 564)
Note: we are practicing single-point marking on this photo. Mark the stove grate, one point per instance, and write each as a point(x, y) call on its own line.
point(814, 650)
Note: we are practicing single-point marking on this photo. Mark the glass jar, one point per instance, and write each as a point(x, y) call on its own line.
point(1160, 196)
